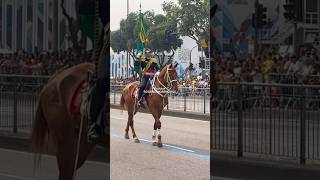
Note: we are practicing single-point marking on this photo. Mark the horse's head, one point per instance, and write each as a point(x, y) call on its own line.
point(170, 76)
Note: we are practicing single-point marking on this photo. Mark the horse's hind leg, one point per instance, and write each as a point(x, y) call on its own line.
point(130, 120)
point(66, 156)
point(126, 135)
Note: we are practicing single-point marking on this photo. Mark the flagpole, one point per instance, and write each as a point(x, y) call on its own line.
point(127, 50)
point(140, 70)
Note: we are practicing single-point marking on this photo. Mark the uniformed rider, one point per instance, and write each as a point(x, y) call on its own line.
point(150, 68)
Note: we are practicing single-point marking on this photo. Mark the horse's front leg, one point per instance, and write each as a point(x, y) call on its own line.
point(159, 134)
point(156, 133)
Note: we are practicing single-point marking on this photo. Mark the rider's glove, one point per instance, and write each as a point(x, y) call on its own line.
point(157, 73)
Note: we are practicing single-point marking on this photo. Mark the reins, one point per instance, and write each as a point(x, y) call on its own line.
point(164, 87)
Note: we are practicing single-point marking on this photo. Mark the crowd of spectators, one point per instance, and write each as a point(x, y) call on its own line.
point(195, 83)
point(44, 63)
point(269, 67)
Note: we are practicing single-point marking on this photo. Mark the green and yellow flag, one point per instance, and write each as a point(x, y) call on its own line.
point(142, 39)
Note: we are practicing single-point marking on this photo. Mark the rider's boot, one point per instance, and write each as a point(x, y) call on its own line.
point(140, 103)
point(140, 100)
point(96, 130)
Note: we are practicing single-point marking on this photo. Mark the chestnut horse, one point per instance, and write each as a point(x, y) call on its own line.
point(156, 100)
point(55, 119)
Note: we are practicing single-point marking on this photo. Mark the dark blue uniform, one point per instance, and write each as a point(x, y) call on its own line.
point(148, 66)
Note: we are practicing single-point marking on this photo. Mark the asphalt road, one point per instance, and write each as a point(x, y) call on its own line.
point(184, 156)
point(18, 165)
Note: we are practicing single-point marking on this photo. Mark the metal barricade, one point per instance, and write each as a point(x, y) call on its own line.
point(281, 120)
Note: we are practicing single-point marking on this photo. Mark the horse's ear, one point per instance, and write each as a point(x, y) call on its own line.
point(175, 65)
point(170, 66)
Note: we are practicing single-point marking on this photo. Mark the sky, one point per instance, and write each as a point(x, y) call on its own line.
point(118, 9)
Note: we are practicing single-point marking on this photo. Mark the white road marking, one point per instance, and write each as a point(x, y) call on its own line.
point(175, 147)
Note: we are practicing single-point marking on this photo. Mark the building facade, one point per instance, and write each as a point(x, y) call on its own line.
point(234, 32)
point(30, 24)
point(119, 67)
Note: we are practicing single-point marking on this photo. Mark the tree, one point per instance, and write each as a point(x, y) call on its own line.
point(160, 41)
point(118, 41)
point(191, 16)
point(125, 38)
point(73, 25)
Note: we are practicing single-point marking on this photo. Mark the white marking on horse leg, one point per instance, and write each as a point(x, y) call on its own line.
point(159, 132)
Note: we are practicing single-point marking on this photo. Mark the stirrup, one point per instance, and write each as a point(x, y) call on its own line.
point(94, 134)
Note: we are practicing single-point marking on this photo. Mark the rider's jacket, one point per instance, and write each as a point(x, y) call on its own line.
point(149, 65)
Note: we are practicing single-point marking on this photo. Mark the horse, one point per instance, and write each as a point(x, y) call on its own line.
point(156, 101)
point(57, 119)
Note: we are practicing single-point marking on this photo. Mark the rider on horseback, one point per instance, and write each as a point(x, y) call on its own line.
point(88, 9)
point(150, 68)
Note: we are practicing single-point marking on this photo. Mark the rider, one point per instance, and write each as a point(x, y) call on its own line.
point(150, 68)
point(99, 93)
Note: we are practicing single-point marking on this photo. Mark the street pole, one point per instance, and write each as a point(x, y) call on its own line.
point(190, 60)
point(256, 45)
point(203, 67)
point(127, 50)
point(295, 38)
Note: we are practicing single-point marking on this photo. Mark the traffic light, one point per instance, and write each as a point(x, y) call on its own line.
point(201, 63)
point(260, 16)
point(213, 11)
point(254, 21)
point(293, 10)
point(191, 67)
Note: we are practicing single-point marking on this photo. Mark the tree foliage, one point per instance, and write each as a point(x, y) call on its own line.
point(191, 16)
point(125, 38)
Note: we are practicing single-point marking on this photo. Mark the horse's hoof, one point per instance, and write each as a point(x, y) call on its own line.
point(126, 136)
point(153, 137)
point(159, 144)
point(154, 143)
point(137, 140)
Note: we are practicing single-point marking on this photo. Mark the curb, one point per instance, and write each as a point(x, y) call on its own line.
point(263, 169)
point(180, 114)
point(22, 142)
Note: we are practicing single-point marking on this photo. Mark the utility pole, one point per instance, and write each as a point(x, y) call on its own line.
point(190, 60)
point(295, 27)
point(127, 50)
point(258, 22)
point(294, 13)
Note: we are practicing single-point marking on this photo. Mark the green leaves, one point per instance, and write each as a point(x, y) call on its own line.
point(191, 16)
point(125, 39)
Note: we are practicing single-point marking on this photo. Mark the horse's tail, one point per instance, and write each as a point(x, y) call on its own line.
point(122, 101)
point(39, 134)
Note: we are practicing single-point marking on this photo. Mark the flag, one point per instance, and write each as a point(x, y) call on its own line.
point(142, 36)
point(142, 39)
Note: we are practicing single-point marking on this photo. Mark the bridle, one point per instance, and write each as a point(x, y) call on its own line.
point(165, 90)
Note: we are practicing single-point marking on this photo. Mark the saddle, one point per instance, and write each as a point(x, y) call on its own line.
point(134, 93)
point(76, 99)
point(82, 98)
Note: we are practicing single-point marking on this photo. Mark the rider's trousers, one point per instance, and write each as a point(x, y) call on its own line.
point(143, 85)
point(100, 90)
